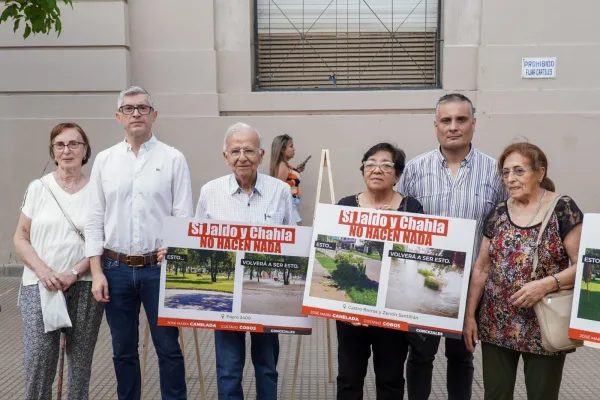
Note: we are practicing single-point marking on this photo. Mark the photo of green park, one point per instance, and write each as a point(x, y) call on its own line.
point(428, 281)
point(589, 296)
point(348, 271)
point(200, 279)
point(273, 284)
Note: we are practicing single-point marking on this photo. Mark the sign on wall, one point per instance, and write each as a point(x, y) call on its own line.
point(538, 68)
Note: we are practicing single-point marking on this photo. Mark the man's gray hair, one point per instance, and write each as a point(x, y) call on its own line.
point(239, 127)
point(132, 91)
point(452, 97)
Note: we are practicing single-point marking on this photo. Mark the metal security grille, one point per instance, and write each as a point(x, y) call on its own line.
point(345, 44)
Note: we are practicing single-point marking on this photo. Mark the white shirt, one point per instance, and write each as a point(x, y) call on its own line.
point(51, 234)
point(270, 202)
point(130, 196)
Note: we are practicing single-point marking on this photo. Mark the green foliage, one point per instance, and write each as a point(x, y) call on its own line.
point(590, 269)
point(213, 261)
point(373, 256)
point(589, 302)
point(399, 247)
point(377, 246)
point(300, 272)
point(326, 261)
point(592, 252)
point(432, 283)
point(425, 272)
point(180, 266)
point(326, 238)
point(362, 295)
point(349, 267)
point(351, 278)
point(37, 16)
point(285, 273)
point(199, 282)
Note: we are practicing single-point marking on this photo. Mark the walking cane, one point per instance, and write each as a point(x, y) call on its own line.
point(61, 363)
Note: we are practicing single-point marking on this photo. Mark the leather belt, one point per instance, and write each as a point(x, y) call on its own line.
point(133, 260)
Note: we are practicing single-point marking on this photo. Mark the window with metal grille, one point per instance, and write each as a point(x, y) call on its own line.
point(346, 44)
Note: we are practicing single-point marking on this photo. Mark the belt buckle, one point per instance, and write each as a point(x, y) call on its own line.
point(130, 260)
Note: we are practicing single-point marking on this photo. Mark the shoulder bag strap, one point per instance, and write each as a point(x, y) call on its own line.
point(77, 231)
point(549, 211)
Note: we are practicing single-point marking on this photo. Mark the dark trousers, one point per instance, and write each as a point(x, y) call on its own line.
point(354, 349)
point(419, 368)
point(543, 374)
point(129, 288)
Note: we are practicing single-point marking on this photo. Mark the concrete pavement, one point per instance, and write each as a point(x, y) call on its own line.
point(580, 381)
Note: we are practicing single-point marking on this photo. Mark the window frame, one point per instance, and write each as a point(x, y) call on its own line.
point(256, 77)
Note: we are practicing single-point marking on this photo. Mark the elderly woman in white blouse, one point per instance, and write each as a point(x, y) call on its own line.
point(48, 240)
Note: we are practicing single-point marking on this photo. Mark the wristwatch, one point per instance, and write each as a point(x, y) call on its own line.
point(74, 272)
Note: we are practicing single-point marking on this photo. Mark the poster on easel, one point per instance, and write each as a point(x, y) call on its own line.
point(234, 276)
point(390, 269)
point(585, 312)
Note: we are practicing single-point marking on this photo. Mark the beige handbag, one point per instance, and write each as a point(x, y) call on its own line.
point(553, 311)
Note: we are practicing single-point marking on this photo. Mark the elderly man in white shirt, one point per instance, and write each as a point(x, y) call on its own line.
point(134, 185)
point(246, 196)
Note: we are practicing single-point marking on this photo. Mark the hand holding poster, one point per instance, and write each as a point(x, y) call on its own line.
point(234, 276)
point(389, 269)
point(585, 314)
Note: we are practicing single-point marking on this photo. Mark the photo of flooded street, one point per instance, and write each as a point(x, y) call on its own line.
point(426, 287)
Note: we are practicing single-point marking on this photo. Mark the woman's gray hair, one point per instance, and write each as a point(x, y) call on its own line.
point(132, 91)
point(238, 127)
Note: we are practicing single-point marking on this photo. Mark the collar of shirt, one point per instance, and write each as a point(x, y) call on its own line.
point(144, 147)
point(464, 162)
point(234, 187)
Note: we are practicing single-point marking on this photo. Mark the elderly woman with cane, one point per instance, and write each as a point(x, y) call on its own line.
point(508, 284)
point(48, 240)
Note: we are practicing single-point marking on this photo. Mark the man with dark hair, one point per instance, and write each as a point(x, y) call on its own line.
point(454, 180)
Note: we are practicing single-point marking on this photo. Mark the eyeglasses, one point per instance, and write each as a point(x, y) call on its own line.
point(73, 145)
point(519, 171)
point(129, 110)
point(385, 166)
point(236, 153)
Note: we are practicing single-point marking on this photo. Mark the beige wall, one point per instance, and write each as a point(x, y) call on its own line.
point(196, 59)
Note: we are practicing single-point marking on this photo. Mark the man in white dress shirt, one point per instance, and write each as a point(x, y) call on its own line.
point(133, 186)
point(251, 197)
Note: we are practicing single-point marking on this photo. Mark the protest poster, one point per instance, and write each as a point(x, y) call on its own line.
point(389, 269)
point(585, 312)
point(234, 276)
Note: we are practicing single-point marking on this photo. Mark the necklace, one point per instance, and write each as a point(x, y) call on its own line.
point(537, 210)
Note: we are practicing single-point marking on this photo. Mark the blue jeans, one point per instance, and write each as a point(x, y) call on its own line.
point(128, 288)
point(230, 347)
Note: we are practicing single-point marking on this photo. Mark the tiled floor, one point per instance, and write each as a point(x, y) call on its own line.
point(580, 380)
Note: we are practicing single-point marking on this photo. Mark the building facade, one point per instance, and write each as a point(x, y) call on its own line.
point(200, 61)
